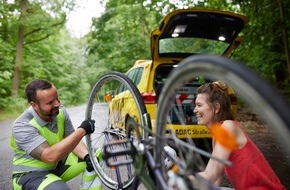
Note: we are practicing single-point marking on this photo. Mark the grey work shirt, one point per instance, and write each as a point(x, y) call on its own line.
point(27, 137)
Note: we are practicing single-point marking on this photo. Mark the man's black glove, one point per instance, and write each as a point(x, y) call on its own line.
point(88, 125)
point(89, 163)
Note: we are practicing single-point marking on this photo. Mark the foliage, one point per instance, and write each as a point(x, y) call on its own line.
point(121, 36)
point(7, 52)
point(61, 62)
point(49, 52)
point(6, 57)
point(263, 48)
point(117, 38)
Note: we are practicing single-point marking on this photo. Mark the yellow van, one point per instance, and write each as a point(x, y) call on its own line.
point(182, 33)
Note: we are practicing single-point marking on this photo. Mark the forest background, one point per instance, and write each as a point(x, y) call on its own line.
point(35, 43)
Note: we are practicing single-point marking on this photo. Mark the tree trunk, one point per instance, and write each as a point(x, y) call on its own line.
point(19, 50)
point(285, 36)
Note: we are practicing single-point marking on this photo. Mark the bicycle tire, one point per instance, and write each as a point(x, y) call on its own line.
point(257, 92)
point(113, 127)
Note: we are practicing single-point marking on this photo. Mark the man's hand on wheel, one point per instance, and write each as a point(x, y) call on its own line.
point(88, 125)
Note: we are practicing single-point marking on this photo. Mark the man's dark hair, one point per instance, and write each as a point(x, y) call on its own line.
point(32, 87)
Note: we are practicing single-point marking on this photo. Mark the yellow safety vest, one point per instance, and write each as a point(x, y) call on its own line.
point(22, 162)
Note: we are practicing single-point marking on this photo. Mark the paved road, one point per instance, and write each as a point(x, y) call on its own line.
point(77, 115)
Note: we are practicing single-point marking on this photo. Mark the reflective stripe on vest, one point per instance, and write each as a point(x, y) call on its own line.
point(22, 162)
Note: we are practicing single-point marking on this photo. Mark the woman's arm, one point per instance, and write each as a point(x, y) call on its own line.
point(214, 169)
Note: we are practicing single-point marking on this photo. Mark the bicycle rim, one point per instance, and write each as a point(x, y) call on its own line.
point(252, 89)
point(110, 125)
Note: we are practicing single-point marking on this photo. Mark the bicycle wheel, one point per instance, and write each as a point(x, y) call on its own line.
point(252, 89)
point(115, 103)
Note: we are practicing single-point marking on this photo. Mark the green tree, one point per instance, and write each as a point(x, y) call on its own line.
point(116, 39)
point(120, 37)
point(265, 47)
point(7, 46)
point(59, 59)
point(48, 52)
point(37, 21)
point(122, 34)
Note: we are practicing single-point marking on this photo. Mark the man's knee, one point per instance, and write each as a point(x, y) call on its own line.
point(57, 185)
point(40, 181)
point(76, 167)
point(52, 182)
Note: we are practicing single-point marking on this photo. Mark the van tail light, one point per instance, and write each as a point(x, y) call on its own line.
point(149, 98)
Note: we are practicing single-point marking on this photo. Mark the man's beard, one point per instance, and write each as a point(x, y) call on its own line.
point(48, 115)
point(54, 113)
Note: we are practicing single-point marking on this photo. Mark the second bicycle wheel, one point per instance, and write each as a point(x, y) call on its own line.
point(248, 85)
point(117, 107)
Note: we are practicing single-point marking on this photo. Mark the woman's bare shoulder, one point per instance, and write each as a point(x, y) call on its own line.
point(233, 127)
point(230, 125)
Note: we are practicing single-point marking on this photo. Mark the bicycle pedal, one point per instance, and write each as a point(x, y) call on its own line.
point(120, 152)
